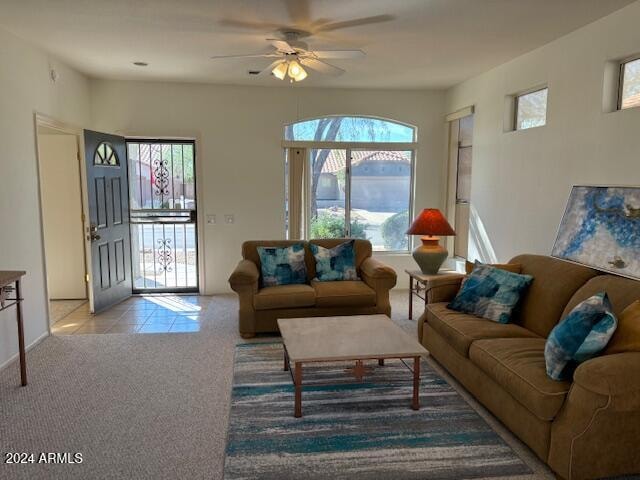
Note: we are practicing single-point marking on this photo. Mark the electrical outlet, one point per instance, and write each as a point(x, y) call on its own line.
point(228, 218)
point(211, 219)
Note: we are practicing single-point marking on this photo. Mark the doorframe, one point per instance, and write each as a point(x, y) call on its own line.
point(200, 215)
point(43, 120)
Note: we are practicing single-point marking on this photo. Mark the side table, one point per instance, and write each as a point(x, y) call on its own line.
point(10, 285)
point(421, 284)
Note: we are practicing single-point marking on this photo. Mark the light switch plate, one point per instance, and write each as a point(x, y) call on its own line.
point(229, 218)
point(211, 219)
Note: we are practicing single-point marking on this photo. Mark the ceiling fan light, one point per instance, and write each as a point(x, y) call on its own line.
point(280, 71)
point(294, 69)
point(301, 75)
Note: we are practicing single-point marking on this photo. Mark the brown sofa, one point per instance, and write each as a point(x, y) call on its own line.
point(585, 428)
point(261, 307)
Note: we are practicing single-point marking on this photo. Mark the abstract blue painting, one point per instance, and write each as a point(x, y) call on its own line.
point(601, 228)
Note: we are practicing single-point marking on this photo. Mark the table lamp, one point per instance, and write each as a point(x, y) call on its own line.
point(432, 225)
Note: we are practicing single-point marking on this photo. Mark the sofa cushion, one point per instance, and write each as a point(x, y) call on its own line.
point(284, 296)
point(344, 293)
point(517, 364)
point(626, 338)
point(491, 293)
point(361, 247)
point(581, 335)
point(621, 291)
point(554, 283)
point(461, 329)
point(250, 252)
point(283, 265)
point(337, 263)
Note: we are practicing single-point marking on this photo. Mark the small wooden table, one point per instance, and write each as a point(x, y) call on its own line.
point(421, 284)
point(10, 285)
point(353, 338)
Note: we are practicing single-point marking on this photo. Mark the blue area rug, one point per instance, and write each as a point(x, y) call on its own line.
point(355, 430)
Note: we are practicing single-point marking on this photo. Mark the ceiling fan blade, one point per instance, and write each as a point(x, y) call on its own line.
point(281, 45)
point(354, 23)
point(339, 53)
point(262, 26)
point(267, 70)
point(252, 55)
point(298, 11)
point(322, 67)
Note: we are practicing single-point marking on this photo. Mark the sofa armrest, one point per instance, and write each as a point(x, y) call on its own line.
point(245, 274)
point(381, 278)
point(611, 375)
point(443, 289)
point(601, 408)
point(372, 268)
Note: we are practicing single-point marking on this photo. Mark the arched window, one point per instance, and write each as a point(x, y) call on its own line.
point(341, 128)
point(350, 176)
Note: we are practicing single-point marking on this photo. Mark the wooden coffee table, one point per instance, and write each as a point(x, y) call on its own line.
point(354, 338)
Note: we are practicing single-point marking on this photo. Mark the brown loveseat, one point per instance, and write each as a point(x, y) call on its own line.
point(261, 307)
point(585, 428)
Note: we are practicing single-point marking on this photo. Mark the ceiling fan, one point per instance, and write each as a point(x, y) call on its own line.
point(291, 54)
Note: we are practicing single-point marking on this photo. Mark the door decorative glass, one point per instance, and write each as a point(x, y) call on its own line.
point(163, 215)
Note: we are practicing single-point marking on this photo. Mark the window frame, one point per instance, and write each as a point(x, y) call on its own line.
point(516, 104)
point(621, 69)
point(348, 147)
point(347, 199)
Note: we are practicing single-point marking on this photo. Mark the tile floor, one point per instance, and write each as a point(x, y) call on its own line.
point(140, 314)
point(59, 309)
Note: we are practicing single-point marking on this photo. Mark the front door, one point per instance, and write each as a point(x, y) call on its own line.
point(108, 194)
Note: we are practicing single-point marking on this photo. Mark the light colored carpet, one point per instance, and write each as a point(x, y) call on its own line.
point(139, 406)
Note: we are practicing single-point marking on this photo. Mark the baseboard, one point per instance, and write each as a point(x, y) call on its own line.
point(27, 348)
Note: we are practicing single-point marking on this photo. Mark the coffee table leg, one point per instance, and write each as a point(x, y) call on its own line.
point(416, 384)
point(286, 360)
point(298, 387)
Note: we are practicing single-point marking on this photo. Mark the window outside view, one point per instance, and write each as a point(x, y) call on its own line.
point(377, 191)
point(630, 93)
point(531, 109)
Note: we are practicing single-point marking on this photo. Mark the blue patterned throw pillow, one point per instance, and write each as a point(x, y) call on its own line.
point(490, 293)
point(337, 263)
point(282, 265)
point(583, 333)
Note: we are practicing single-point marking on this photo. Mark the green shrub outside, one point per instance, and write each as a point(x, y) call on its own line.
point(394, 231)
point(326, 225)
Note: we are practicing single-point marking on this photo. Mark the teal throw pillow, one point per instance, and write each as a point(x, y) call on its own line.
point(490, 293)
point(581, 335)
point(337, 263)
point(282, 265)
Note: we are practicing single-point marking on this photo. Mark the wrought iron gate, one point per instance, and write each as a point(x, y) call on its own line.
point(164, 233)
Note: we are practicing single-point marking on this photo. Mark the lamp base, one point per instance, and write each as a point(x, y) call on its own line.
point(430, 255)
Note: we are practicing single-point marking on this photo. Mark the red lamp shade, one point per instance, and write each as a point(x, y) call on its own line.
point(431, 222)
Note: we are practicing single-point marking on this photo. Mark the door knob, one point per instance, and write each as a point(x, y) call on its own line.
point(93, 233)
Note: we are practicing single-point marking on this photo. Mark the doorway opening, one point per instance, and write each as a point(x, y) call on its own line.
point(61, 193)
point(459, 180)
point(163, 215)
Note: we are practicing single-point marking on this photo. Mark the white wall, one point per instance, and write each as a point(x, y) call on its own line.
point(62, 216)
point(521, 180)
point(25, 88)
point(239, 132)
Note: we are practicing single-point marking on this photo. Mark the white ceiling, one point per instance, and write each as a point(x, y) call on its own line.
point(428, 44)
